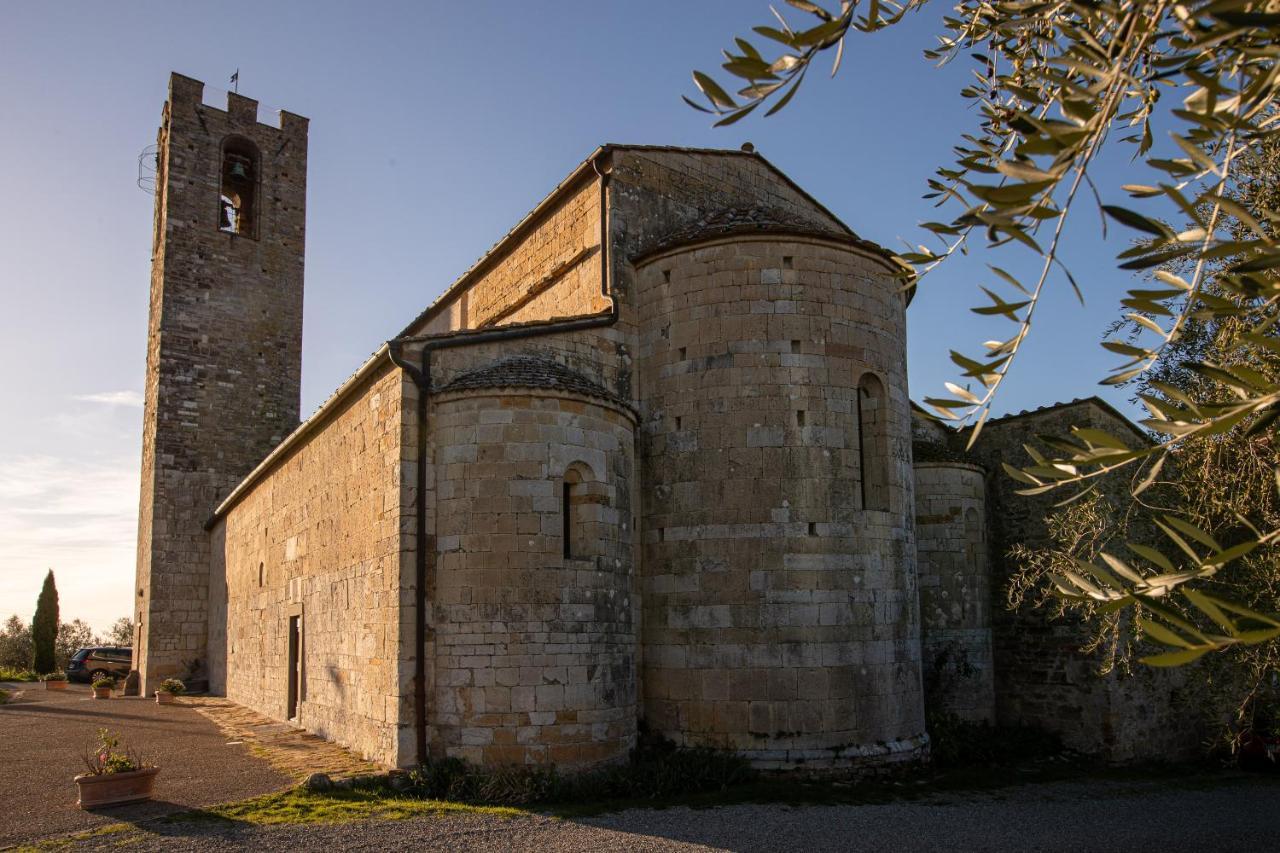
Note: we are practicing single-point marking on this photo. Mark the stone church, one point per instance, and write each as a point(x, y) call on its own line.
point(649, 464)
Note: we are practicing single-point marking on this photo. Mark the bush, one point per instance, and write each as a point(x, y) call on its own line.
point(173, 686)
point(15, 644)
point(55, 676)
point(104, 683)
point(654, 772)
point(960, 743)
point(8, 673)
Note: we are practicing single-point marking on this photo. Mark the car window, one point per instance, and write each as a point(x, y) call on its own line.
point(80, 654)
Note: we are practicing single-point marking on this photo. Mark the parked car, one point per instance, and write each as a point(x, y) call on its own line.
point(93, 662)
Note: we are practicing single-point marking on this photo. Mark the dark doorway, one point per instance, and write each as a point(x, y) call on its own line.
point(295, 664)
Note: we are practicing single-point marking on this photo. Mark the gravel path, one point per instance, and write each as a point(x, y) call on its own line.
point(46, 732)
point(1240, 815)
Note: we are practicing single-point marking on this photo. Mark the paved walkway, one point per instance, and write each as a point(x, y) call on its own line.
point(290, 750)
point(44, 735)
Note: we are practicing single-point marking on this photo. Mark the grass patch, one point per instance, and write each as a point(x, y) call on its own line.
point(8, 673)
point(66, 841)
point(4, 697)
point(299, 806)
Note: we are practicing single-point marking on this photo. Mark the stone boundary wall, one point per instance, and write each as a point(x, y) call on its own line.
point(1043, 678)
point(319, 536)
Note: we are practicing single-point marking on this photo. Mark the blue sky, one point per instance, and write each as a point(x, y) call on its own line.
point(434, 128)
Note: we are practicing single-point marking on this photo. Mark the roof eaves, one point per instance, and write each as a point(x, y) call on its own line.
point(303, 430)
point(1094, 399)
point(495, 250)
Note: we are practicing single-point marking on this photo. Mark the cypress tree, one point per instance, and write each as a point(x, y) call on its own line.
point(44, 627)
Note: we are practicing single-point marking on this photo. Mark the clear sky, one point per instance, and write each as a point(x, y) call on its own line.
point(434, 127)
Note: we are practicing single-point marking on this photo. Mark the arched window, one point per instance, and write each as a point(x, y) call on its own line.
point(238, 192)
point(873, 443)
point(582, 501)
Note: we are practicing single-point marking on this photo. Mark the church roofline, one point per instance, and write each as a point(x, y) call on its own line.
point(1065, 404)
point(587, 168)
point(767, 231)
point(308, 426)
point(584, 170)
point(331, 403)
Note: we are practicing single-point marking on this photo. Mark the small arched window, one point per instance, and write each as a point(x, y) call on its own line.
point(873, 443)
point(238, 190)
point(261, 572)
point(582, 500)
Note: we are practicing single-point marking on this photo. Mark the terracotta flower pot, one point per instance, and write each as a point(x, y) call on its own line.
point(55, 685)
point(102, 693)
point(113, 789)
point(164, 698)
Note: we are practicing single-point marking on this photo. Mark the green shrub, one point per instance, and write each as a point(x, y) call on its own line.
point(8, 673)
point(104, 683)
point(4, 697)
point(960, 743)
point(172, 685)
point(54, 676)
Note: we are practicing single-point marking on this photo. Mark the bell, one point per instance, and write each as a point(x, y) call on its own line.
point(238, 171)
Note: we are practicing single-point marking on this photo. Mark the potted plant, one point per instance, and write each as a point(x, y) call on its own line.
point(116, 775)
point(55, 681)
point(169, 688)
point(102, 687)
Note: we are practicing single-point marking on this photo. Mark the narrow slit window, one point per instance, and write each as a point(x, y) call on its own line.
point(873, 443)
point(567, 516)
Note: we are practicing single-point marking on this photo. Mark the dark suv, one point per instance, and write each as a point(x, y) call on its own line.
point(94, 662)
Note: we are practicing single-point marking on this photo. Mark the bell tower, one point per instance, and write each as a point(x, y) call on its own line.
point(224, 349)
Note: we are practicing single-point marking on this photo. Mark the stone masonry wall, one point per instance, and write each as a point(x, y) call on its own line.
point(534, 655)
point(780, 616)
point(955, 589)
point(1043, 678)
point(223, 358)
point(319, 536)
point(552, 270)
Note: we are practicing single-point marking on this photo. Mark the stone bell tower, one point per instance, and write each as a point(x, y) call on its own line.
point(224, 349)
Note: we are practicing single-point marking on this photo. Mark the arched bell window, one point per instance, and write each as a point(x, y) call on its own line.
point(238, 190)
point(873, 443)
